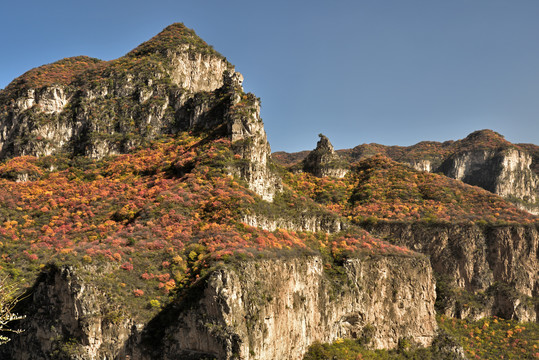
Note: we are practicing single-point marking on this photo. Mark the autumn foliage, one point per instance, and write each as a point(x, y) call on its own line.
point(162, 215)
point(381, 189)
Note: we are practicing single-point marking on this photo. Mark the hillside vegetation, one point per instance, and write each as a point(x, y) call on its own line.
point(162, 215)
point(379, 188)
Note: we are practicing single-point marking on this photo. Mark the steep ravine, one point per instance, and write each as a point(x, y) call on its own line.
point(264, 309)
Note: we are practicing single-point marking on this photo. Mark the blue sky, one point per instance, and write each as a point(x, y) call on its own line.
point(388, 71)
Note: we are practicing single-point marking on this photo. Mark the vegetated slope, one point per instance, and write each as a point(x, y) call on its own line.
point(484, 158)
point(161, 200)
point(488, 339)
point(144, 229)
point(482, 247)
point(379, 188)
point(116, 240)
point(432, 151)
point(127, 189)
point(288, 159)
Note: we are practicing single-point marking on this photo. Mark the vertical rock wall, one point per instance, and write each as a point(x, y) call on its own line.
point(274, 309)
point(265, 309)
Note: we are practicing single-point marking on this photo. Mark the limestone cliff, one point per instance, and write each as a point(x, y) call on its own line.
point(421, 165)
point(266, 309)
point(504, 172)
point(327, 223)
point(246, 131)
point(68, 319)
point(496, 263)
point(323, 161)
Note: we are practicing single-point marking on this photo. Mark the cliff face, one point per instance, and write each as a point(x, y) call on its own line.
point(266, 309)
point(306, 222)
point(68, 319)
point(246, 131)
point(504, 172)
point(485, 261)
point(275, 309)
point(421, 165)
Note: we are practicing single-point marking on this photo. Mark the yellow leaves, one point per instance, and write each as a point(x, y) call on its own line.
point(47, 230)
point(10, 224)
point(177, 260)
point(205, 227)
point(193, 255)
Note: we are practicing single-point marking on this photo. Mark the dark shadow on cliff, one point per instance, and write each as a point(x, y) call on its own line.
point(151, 341)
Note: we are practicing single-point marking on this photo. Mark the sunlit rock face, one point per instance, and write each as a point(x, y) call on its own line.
point(421, 165)
point(274, 309)
point(504, 172)
point(497, 262)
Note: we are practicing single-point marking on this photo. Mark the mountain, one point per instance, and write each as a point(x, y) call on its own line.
point(484, 158)
point(144, 218)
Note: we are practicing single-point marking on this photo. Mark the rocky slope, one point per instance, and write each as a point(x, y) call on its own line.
point(68, 319)
point(487, 160)
point(271, 309)
point(496, 266)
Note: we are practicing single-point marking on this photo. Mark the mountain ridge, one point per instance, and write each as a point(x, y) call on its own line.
point(143, 207)
point(512, 169)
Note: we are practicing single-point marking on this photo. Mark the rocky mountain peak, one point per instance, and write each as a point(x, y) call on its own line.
point(171, 83)
point(324, 145)
point(174, 38)
point(324, 161)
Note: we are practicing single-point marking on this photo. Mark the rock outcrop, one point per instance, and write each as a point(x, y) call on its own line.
point(421, 165)
point(504, 172)
point(246, 131)
point(327, 223)
point(265, 309)
point(324, 161)
point(484, 158)
point(496, 263)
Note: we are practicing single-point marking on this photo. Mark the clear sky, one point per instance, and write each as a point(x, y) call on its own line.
point(394, 72)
